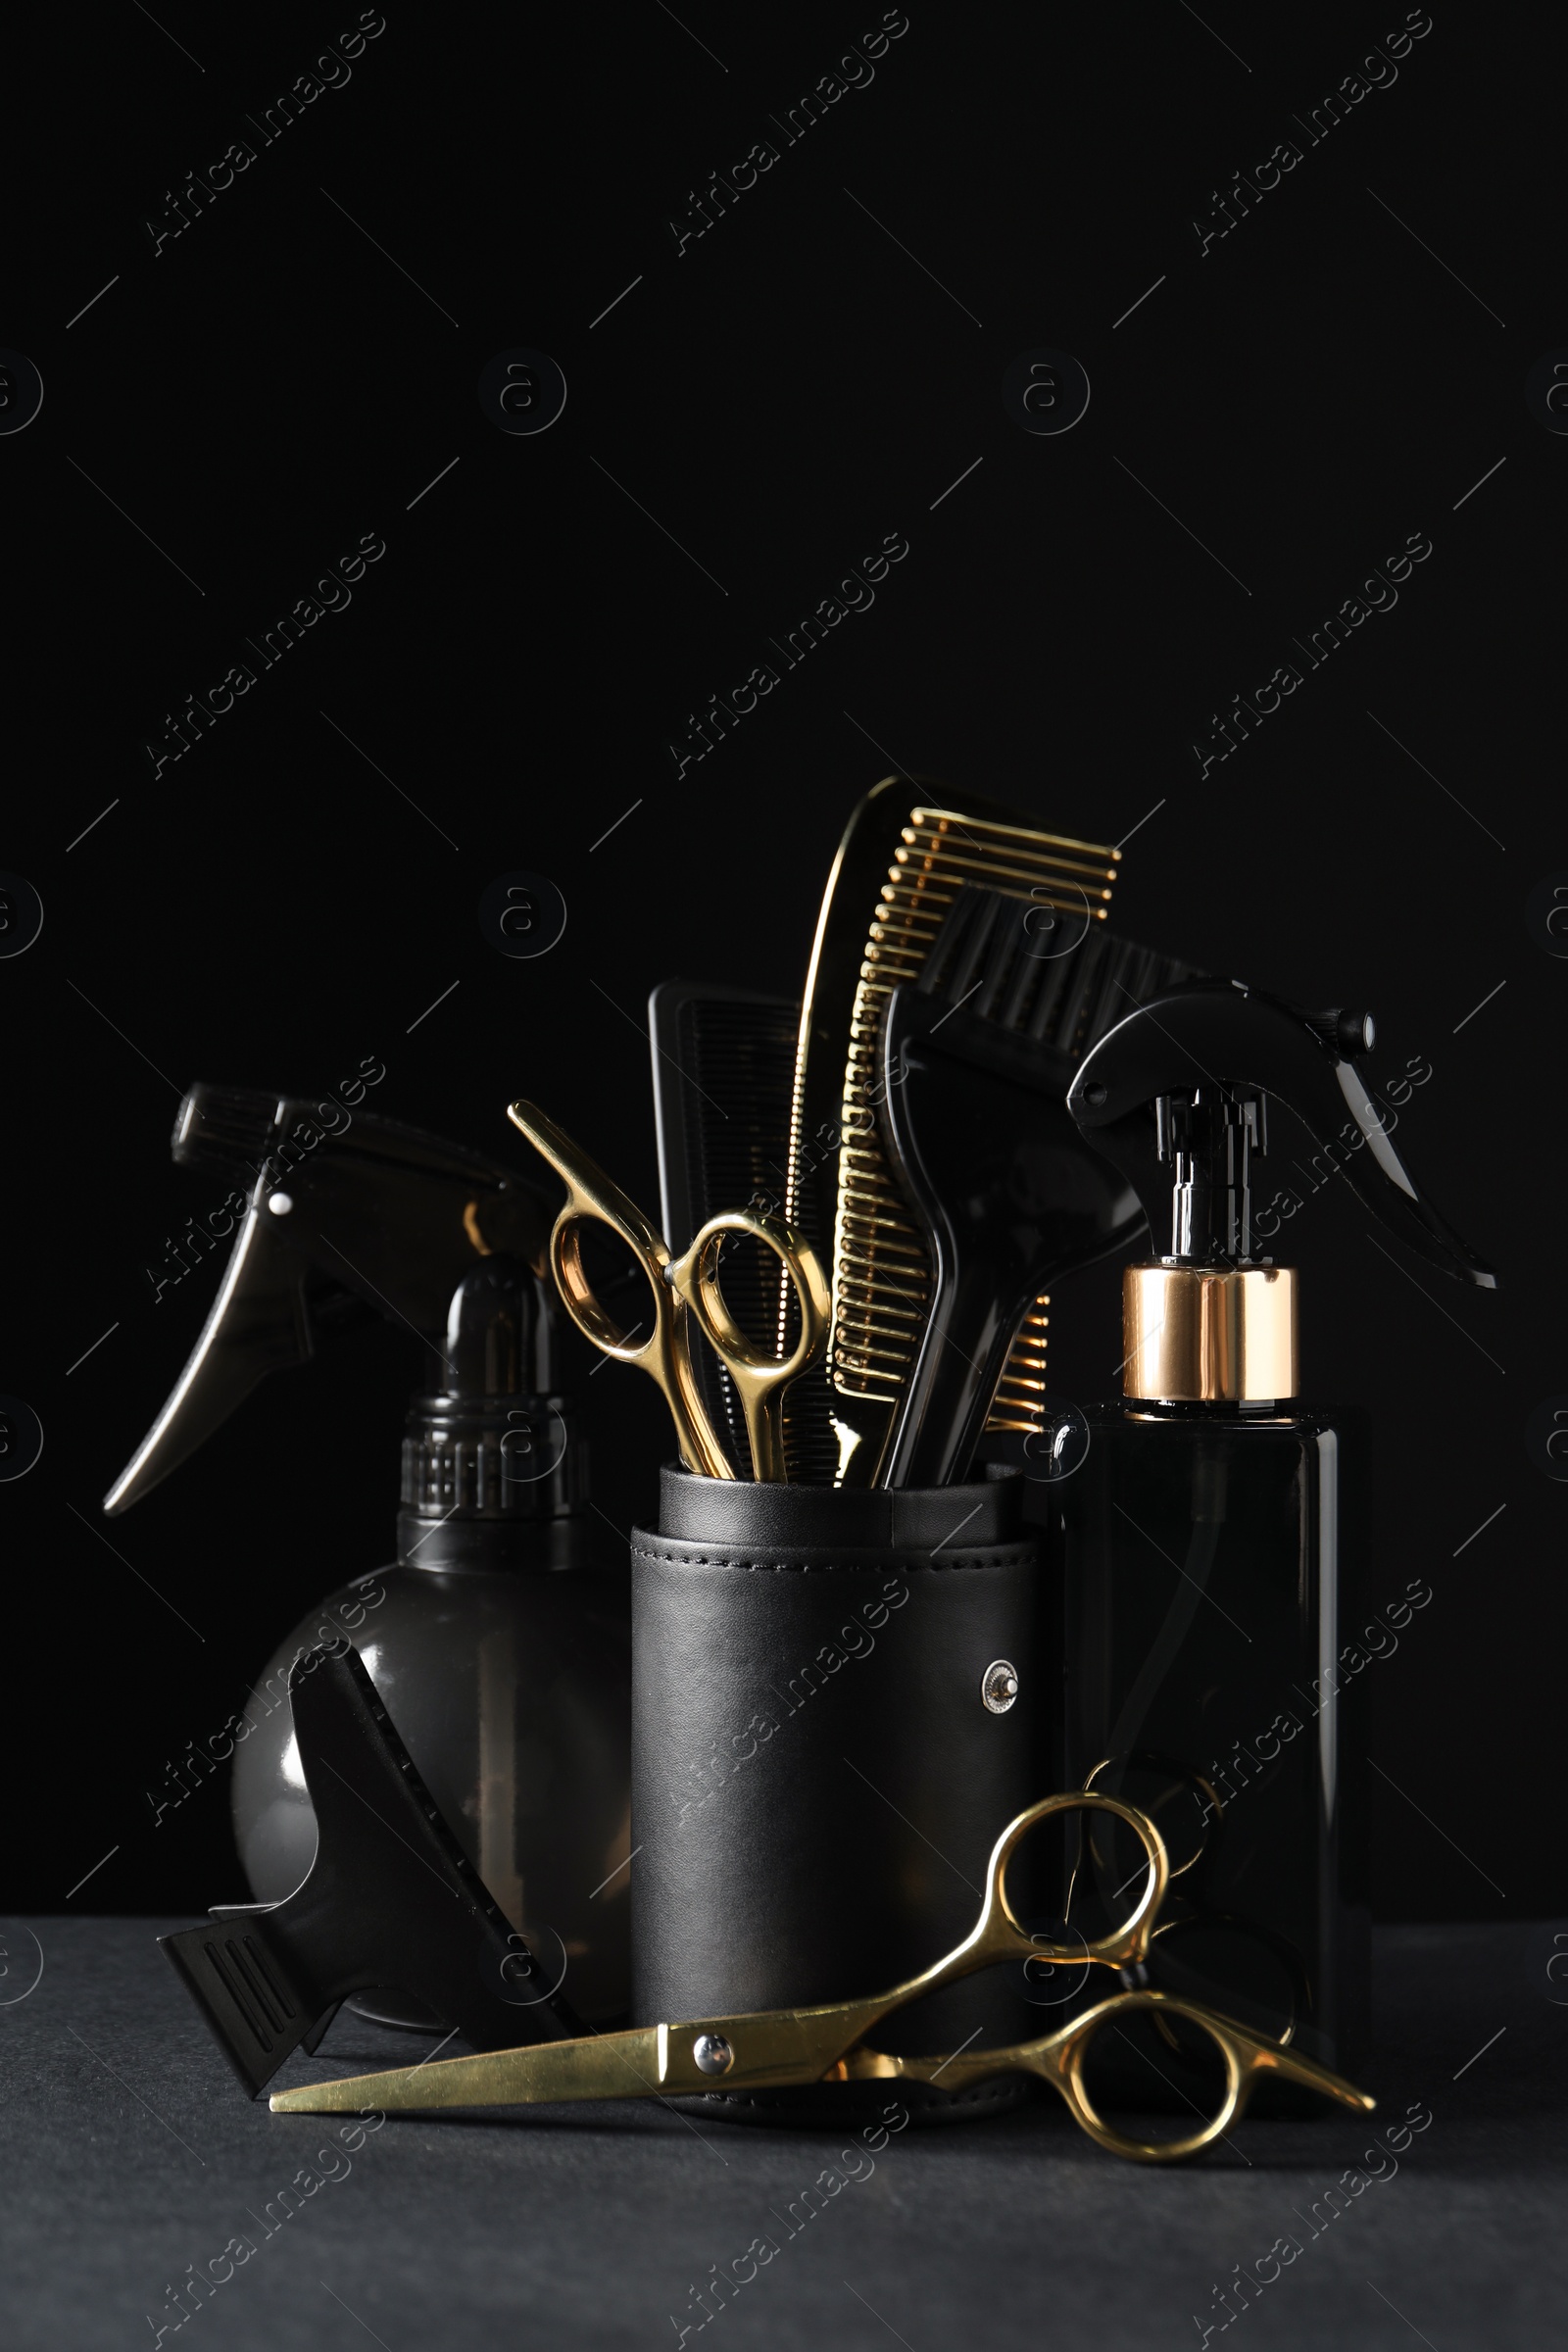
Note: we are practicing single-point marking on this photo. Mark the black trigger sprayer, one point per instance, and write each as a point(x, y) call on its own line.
point(501, 1656)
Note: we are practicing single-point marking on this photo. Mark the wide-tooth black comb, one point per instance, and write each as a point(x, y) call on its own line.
point(994, 957)
point(1068, 998)
point(723, 1061)
point(391, 1900)
point(978, 1054)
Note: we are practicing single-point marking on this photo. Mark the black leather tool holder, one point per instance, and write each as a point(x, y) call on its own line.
point(818, 1779)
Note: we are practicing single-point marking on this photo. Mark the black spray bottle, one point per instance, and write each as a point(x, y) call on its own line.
point(503, 1658)
point(1215, 1535)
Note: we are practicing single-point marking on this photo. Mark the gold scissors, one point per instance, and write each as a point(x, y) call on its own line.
point(827, 2044)
point(683, 1287)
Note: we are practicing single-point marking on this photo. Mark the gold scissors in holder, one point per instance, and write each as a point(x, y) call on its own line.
point(685, 1289)
point(826, 2043)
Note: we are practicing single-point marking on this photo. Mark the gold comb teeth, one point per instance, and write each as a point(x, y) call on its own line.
point(1019, 1403)
point(881, 1268)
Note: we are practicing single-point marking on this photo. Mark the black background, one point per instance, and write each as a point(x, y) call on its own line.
point(784, 393)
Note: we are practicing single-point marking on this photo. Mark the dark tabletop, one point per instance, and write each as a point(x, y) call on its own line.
point(132, 2157)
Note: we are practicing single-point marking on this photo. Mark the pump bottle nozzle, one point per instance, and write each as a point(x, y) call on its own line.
point(1175, 1097)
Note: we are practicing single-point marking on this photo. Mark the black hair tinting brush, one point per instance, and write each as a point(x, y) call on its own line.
point(977, 1055)
point(909, 850)
point(391, 1900)
point(723, 1062)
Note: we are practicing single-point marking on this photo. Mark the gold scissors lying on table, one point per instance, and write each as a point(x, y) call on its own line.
point(827, 2044)
point(684, 1287)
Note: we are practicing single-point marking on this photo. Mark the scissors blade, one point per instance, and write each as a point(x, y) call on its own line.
point(601, 2066)
point(765, 2051)
point(960, 2067)
point(1276, 2058)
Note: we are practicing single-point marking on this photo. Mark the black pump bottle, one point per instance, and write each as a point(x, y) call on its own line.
point(1214, 1541)
point(503, 1658)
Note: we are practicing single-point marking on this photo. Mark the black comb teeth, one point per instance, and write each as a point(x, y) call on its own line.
point(1005, 960)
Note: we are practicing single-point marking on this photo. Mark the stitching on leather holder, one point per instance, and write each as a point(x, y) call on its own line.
point(1015, 1555)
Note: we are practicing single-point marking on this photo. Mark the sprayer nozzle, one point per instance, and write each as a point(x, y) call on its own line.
point(350, 1214)
point(1349, 1033)
point(228, 1127)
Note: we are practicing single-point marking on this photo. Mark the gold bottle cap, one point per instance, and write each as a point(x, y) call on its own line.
point(1209, 1335)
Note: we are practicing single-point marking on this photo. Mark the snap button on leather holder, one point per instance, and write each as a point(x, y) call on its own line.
point(999, 1686)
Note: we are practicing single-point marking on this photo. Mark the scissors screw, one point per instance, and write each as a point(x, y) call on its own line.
point(999, 1686)
point(713, 2054)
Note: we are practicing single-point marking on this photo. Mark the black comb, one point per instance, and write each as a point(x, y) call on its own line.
point(723, 1070)
point(391, 1900)
point(1005, 960)
point(978, 1054)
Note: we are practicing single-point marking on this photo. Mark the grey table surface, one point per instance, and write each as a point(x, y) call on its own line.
point(133, 2159)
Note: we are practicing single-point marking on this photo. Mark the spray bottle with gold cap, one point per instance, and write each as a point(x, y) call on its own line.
point(1216, 1531)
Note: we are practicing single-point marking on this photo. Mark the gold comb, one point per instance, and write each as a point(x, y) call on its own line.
point(903, 858)
point(881, 1271)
